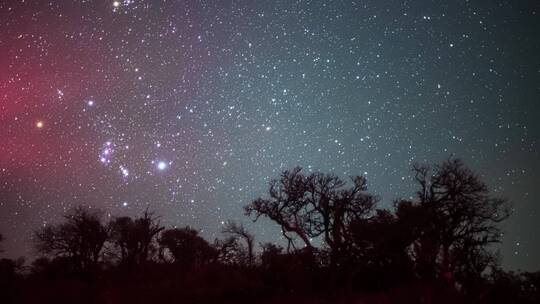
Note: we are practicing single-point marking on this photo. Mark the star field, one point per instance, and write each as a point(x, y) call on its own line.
point(191, 107)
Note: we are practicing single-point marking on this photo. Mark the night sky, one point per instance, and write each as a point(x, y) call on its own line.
point(191, 107)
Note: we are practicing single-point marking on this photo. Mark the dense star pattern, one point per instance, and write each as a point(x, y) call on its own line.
point(191, 107)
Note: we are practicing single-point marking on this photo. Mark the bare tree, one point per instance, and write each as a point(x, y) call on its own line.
point(135, 238)
point(286, 206)
point(81, 238)
point(230, 251)
point(456, 220)
point(336, 207)
point(237, 230)
point(317, 205)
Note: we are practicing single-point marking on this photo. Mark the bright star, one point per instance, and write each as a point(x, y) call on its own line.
point(125, 172)
point(162, 165)
point(39, 124)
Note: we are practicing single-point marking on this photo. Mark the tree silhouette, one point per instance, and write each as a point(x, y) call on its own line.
point(230, 251)
point(433, 247)
point(286, 206)
point(186, 247)
point(316, 205)
point(237, 230)
point(454, 219)
point(80, 238)
point(135, 237)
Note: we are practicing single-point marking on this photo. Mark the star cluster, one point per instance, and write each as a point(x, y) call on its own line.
point(191, 107)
